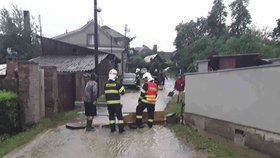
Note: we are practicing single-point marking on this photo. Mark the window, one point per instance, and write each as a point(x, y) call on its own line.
point(90, 39)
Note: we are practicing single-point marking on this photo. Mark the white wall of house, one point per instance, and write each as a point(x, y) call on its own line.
point(249, 97)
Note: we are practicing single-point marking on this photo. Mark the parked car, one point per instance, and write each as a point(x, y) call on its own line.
point(129, 79)
point(143, 70)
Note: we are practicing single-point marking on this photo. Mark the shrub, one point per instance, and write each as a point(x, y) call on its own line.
point(9, 112)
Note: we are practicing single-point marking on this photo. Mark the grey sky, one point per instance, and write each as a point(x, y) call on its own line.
point(151, 21)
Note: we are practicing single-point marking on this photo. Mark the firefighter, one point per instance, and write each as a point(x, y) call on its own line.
point(137, 73)
point(147, 100)
point(112, 95)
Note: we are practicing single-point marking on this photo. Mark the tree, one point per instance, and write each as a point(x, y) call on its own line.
point(216, 19)
point(241, 17)
point(276, 31)
point(189, 32)
point(136, 61)
point(14, 35)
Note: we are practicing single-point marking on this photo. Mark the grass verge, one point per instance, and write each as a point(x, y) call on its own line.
point(19, 139)
point(187, 134)
point(173, 107)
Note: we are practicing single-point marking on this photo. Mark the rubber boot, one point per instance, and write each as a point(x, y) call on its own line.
point(150, 124)
point(89, 126)
point(139, 123)
point(113, 128)
point(133, 126)
point(121, 128)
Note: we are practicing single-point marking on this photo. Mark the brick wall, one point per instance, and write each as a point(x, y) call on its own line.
point(51, 91)
point(23, 71)
point(12, 66)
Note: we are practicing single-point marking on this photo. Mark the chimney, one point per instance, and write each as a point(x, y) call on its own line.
point(155, 48)
point(27, 27)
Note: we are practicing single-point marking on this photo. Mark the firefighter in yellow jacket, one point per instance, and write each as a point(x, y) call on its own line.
point(147, 100)
point(113, 90)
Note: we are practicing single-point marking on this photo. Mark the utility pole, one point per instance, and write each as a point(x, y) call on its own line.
point(96, 44)
point(40, 25)
point(126, 30)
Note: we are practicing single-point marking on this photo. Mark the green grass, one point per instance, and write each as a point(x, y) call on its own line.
point(214, 150)
point(187, 134)
point(101, 98)
point(6, 95)
point(173, 107)
point(15, 141)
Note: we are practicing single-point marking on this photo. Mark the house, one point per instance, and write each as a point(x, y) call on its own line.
point(110, 41)
point(72, 61)
point(150, 58)
point(3, 70)
point(155, 61)
point(143, 50)
point(219, 62)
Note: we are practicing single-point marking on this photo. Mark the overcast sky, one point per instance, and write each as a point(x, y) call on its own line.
point(151, 21)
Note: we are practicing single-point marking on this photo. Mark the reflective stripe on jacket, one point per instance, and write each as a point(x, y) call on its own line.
point(150, 94)
point(112, 92)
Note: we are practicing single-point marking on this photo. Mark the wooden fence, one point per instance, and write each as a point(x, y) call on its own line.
point(9, 85)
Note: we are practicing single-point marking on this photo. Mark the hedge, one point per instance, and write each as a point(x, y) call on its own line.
point(9, 113)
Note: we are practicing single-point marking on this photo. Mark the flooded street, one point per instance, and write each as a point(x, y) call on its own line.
point(157, 142)
point(130, 100)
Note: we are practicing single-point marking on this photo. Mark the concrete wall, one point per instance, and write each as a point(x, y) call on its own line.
point(265, 142)
point(31, 92)
point(248, 97)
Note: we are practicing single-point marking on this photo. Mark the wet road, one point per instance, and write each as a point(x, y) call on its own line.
point(157, 142)
point(130, 100)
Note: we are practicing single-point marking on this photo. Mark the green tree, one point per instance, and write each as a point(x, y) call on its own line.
point(241, 17)
point(276, 31)
point(13, 34)
point(189, 32)
point(216, 19)
point(136, 61)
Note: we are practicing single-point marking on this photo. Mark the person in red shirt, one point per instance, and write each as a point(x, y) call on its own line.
point(180, 87)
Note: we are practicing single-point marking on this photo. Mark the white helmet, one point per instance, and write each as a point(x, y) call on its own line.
point(113, 74)
point(148, 76)
point(137, 70)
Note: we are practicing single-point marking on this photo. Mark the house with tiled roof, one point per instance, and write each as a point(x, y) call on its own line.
point(110, 41)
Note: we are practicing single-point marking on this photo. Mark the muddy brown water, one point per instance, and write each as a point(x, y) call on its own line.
point(157, 142)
